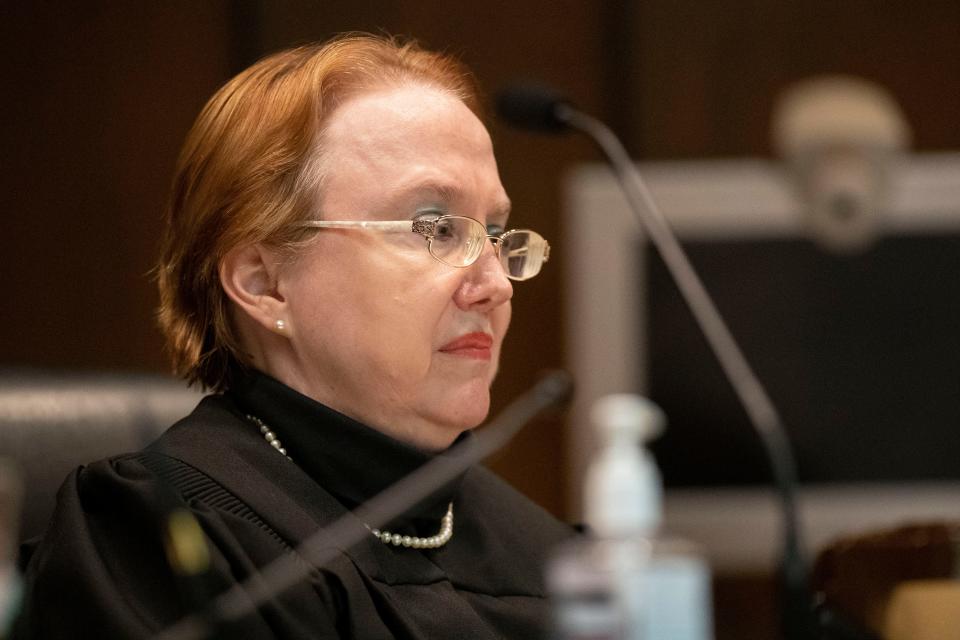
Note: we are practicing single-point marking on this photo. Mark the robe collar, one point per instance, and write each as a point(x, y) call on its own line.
point(347, 458)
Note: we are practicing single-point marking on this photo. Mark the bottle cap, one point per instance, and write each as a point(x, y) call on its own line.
point(627, 415)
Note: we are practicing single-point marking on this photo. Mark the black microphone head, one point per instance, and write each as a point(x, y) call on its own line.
point(533, 107)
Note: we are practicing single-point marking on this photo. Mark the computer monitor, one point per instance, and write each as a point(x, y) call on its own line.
point(860, 353)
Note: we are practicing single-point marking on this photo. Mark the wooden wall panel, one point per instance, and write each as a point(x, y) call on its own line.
point(703, 76)
point(98, 99)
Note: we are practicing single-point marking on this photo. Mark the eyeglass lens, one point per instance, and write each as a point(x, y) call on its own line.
point(458, 241)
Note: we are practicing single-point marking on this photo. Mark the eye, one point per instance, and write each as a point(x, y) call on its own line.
point(495, 230)
point(448, 231)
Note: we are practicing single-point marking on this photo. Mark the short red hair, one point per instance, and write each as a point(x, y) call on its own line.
point(249, 169)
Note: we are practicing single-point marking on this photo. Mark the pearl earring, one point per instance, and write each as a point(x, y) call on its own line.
point(281, 325)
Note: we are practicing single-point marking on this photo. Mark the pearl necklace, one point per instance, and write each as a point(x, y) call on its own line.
point(433, 542)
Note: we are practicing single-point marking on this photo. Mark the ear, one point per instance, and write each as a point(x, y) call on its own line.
point(248, 275)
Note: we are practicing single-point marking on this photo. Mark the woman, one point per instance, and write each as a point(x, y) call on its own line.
point(336, 266)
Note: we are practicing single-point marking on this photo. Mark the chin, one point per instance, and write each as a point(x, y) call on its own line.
point(470, 416)
point(465, 406)
point(437, 437)
point(464, 412)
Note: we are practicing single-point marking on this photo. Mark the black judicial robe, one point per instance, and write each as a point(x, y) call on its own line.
point(101, 570)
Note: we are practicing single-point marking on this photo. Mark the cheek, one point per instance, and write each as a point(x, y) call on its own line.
point(403, 310)
point(386, 308)
point(334, 299)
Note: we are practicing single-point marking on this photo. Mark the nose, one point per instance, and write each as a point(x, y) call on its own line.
point(485, 285)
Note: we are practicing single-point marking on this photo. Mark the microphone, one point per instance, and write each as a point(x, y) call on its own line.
point(553, 390)
point(534, 107)
point(537, 108)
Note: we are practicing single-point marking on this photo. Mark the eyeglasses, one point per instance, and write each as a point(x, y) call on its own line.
point(458, 241)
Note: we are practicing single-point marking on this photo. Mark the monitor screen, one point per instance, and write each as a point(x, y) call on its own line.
point(860, 354)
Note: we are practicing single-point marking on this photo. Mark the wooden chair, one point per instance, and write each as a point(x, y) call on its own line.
point(898, 584)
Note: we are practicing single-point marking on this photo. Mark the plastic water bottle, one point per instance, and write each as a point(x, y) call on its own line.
point(623, 582)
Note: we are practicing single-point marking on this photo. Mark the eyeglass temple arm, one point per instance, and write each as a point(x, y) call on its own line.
point(425, 228)
point(380, 225)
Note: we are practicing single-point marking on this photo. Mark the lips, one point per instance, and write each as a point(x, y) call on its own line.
point(475, 345)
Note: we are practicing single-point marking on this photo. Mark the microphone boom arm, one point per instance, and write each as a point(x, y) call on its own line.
point(797, 622)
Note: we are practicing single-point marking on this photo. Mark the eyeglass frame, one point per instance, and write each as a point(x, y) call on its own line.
point(427, 227)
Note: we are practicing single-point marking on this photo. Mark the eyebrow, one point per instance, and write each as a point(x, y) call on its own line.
point(452, 193)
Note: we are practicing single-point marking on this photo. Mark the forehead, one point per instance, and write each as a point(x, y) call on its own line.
point(408, 138)
point(391, 114)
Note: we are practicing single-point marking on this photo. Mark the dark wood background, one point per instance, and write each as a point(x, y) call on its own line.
point(97, 97)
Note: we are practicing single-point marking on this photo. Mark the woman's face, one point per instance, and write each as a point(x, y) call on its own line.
point(378, 329)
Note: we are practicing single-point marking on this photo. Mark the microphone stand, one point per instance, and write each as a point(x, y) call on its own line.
point(797, 612)
point(286, 571)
